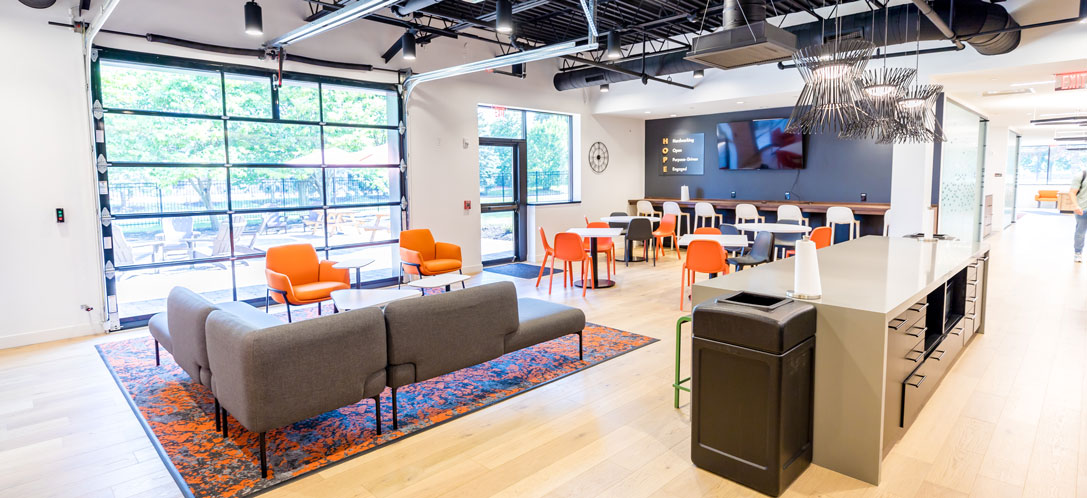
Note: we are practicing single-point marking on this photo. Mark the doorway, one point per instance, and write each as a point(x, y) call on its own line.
point(502, 200)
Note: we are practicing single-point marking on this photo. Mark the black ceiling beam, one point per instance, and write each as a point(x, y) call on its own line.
point(393, 50)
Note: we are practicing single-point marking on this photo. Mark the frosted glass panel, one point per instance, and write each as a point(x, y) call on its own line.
point(960, 173)
point(1011, 178)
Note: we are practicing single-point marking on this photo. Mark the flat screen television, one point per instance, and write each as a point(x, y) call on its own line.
point(759, 144)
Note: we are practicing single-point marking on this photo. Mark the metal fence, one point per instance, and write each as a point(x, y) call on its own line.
point(148, 197)
point(543, 186)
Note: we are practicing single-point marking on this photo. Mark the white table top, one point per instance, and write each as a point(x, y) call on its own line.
point(353, 263)
point(597, 233)
point(439, 280)
point(626, 219)
point(725, 240)
point(353, 299)
point(773, 227)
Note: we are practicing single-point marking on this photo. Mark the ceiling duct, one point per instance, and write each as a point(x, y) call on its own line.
point(739, 44)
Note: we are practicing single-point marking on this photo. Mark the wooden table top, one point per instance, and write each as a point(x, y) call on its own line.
point(868, 208)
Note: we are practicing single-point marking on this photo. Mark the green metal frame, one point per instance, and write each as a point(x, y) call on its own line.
point(678, 384)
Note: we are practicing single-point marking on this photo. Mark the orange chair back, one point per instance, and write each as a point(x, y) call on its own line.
point(419, 240)
point(668, 224)
point(707, 231)
point(706, 256)
point(568, 247)
point(546, 244)
point(822, 237)
point(297, 261)
point(597, 224)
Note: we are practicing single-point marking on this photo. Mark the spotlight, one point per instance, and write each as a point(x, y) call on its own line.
point(699, 73)
point(407, 46)
point(254, 24)
point(605, 88)
point(504, 16)
point(615, 46)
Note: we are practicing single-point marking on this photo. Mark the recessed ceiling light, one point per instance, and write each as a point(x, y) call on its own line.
point(1033, 83)
point(997, 93)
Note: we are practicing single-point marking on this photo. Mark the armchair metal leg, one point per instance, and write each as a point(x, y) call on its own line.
point(267, 297)
point(263, 457)
point(288, 305)
point(319, 306)
point(157, 363)
point(396, 423)
point(377, 413)
point(218, 417)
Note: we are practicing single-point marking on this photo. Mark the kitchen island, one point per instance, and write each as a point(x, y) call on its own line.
point(893, 317)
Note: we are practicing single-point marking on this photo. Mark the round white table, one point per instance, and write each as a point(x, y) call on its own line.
point(772, 227)
point(593, 234)
point(357, 264)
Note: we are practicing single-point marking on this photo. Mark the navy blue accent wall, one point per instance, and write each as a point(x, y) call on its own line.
point(837, 170)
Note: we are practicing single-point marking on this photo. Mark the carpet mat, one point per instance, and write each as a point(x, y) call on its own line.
point(177, 413)
point(521, 270)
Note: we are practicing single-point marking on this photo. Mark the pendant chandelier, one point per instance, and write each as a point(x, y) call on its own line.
point(829, 102)
point(917, 107)
point(881, 88)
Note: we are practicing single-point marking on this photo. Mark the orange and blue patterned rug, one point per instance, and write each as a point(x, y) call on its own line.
point(177, 413)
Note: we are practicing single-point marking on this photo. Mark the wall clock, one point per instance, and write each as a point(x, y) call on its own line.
point(598, 157)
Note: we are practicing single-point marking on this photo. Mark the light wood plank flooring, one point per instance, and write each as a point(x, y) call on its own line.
point(1008, 421)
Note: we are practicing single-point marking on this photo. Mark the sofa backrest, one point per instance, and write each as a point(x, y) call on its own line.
point(186, 313)
point(447, 332)
point(275, 376)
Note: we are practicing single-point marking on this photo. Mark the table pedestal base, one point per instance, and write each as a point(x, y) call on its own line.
point(600, 284)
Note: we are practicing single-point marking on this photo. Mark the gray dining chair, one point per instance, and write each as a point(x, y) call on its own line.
point(619, 224)
point(761, 252)
point(639, 230)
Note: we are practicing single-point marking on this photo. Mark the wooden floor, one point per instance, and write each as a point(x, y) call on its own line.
point(1009, 420)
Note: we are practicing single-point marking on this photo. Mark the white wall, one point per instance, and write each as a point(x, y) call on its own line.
point(48, 269)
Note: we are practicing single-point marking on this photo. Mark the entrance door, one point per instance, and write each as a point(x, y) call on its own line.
point(502, 199)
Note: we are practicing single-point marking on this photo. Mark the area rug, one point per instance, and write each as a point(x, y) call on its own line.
point(177, 413)
point(521, 270)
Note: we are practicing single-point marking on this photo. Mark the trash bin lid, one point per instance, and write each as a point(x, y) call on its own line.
point(771, 324)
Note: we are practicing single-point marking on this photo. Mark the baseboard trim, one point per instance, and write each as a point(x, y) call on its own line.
point(40, 336)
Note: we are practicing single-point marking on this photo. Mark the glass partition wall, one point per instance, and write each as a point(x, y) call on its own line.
point(204, 166)
point(962, 163)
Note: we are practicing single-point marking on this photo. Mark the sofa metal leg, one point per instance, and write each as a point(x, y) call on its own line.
point(580, 345)
point(226, 423)
point(218, 416)
point(157, 363)
point(377, 413)
point(396, 423)
point(263, 457)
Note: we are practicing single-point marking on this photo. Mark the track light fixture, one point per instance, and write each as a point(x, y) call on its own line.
point(254, 22)
point(615, 46)
point(504, 17)
point(407, 45)
point(699, 73)
point(605, 88)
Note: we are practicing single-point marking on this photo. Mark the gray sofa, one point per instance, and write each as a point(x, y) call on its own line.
point(273, 377)
point(443, 333)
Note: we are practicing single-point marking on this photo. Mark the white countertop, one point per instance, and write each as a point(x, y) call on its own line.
point(874, 274)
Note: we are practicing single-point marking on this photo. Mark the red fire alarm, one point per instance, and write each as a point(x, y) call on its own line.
point(467, 205)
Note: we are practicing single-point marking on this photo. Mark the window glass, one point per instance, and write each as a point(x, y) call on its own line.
point(386, 260)
point(141, 190)
point(153, 88)
point(248, 96)
point(156, 139)
point(499, 122)
point(350, 146)
point(363, 225)
point(180, 238)
point(274, 143)
point(264, 188)
point(1033, 164)
point(362, 185)
point(261, 231)
point(299, 101)
point(1065, 163)
point(355, 105)
point(549, 157)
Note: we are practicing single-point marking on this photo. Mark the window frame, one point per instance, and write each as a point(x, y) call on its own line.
point(525, 138)
point(224, 70)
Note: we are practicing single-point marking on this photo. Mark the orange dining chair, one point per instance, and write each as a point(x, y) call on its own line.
point(606, 246)
point(707, 231)
point(295, 276)
point(703, 256)
point(548, 253)
point(667, 228)
point(420, 255)
point(569, 248)
point(821, 236)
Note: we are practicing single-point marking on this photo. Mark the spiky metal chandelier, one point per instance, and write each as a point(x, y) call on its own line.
point(829, 102)
point(881, 89)
point(917, 108)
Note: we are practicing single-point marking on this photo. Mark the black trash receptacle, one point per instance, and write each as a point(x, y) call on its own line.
point(751, 394)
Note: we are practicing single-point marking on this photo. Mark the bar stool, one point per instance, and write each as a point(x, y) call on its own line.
point(673, 208)
point(791, 212)
point(841, 215)
point(645, 208)
point(704, 215)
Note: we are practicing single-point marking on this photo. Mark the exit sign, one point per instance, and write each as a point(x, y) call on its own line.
point(1071, 81)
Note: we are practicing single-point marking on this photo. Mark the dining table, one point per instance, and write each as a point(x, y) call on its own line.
point(772, 227)
point(594, 234)
point(625, 220)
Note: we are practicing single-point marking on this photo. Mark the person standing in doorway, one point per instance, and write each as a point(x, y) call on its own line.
point(1079, 193)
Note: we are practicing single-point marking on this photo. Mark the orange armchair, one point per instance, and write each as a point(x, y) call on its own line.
point(295, 276)
point(420, 255)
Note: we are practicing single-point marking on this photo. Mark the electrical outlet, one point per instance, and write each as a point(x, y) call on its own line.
point(788, 195)
point(864, 197)
point(733, 195)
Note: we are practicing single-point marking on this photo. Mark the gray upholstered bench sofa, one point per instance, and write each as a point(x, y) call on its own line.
point(269, 374)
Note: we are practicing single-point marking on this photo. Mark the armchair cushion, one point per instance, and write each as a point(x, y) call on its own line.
point(438, 266)
point(316, 291)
